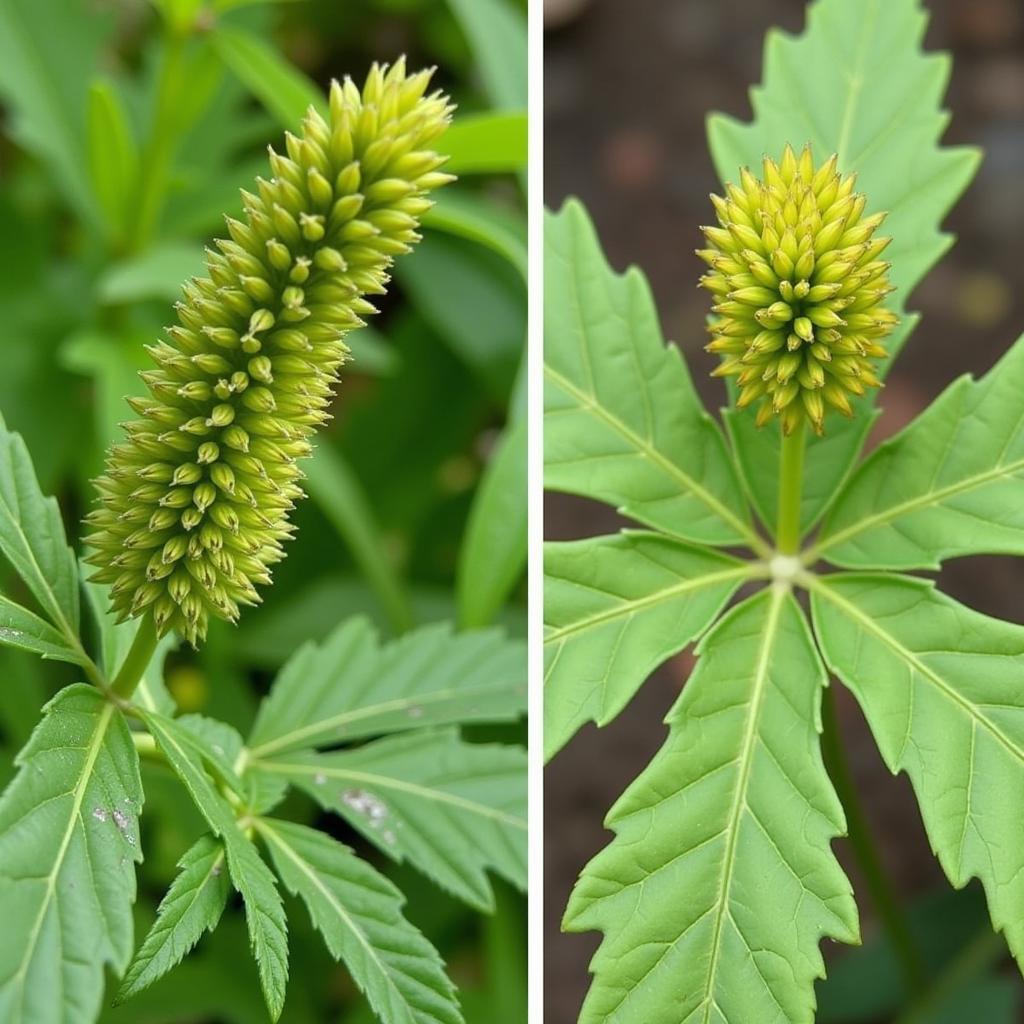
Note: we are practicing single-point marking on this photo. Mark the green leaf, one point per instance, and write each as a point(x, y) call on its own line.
point(497, 36)
point(940, 687)
point(264, 911)
point(493, 553)
point(351, 687)
point(855, 83)
point(453, 809)
point(156, 273)
point(950, 484)
point(622, 422)
point(24, 629)
point(113, 155)
point(48, 56)
point(359, 913)
point(193, 905)
point(334, 486)
point(720, 882)
point(32, 538)
point(284, 90)
point(488, 143)
point(615, 608)
point(461, 213)
point(69, 842)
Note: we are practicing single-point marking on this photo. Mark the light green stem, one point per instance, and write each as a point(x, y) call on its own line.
point(887, 905)
point(137, 660)
point(791, 473)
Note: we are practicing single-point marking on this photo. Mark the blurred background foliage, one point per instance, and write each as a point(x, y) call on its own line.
point(127, 129)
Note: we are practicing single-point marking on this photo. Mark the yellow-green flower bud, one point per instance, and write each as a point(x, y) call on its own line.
point(798, 290)
point(246, 375)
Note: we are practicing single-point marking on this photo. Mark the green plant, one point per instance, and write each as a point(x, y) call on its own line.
point(371, 731)
point(720, 883)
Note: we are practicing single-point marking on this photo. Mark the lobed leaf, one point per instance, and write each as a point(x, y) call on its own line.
point(622, 422)
point(69, 842)
point(940, 687)
point(252, 878)
point(615, 608)
point(855, 83)
point(24, 629)
point(358, 911)
point(350, 687)
point(453, 809)
point(193, 905)
point(950, 484)
point(720, 882)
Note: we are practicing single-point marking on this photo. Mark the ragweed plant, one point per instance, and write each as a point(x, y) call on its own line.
point(721, 882)
point(193, 512)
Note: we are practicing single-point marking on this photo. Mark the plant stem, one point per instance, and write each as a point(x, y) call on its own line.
point(866, 853)
point(137, 660)
point(791, 472)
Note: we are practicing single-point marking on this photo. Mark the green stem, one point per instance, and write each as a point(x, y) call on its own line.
point(137, 660)
point(862, 843)
point(791, 473)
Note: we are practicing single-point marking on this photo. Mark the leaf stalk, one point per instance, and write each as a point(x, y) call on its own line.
point(791, 472)
point(137, 660)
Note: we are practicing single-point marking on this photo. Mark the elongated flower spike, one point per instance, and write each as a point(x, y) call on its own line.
point(798, 290)
point(194, 504)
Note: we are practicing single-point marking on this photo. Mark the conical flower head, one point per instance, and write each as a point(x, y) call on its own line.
point(194, 504)
point(799, 290)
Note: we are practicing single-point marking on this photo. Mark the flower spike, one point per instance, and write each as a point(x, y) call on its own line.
point(193, 507)
point(798, 290)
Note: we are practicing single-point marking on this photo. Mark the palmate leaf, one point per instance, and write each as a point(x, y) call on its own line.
point(622, 422)
point(720, 882)
point(614, 609)
point(452, 809)
point(359, 913)
point(69, 842)
point(940, 686)
point(252, 878)
point(351, 687)
point(856, 83)
point(193, 905)
point(952, 483)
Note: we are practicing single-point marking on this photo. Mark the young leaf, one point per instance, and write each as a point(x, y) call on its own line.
point(21, 628)
point(720, 882)
point(615, 608)
point(622, 421)
point(193, 905)
point(284, 90)
point(264, 911)
point(351, 687)
point(359, 913)
point(493, 552)
point(952, 483)
point(857, 84)
point(32, 537)
point(940, 687)
point(497, 35)
point(452, 808)
point(113, 155)
point(69, 842)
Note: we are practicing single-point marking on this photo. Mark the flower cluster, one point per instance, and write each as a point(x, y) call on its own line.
point(799, 290)
point(194, 504)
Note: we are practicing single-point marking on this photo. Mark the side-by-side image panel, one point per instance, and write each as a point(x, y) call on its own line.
point(263, 512)
point(784, 461)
